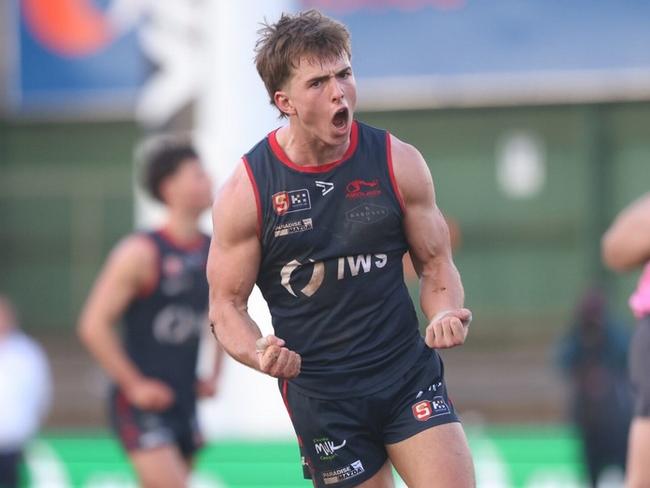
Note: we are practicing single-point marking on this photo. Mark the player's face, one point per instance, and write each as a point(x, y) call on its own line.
point(321, 95)
point(191, 187)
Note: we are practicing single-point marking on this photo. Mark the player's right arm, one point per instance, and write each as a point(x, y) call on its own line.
point(128, 270)
point(626, 244)
point(233, 264)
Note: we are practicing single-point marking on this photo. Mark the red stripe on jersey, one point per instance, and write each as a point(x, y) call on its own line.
point(282, 156)
point(256, 191)
point(391, 172)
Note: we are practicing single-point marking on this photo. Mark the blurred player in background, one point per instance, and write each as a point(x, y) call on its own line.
point(25, 393)
point(594, 355)
point(319, 214)
point(154, 283)
point(626, 246)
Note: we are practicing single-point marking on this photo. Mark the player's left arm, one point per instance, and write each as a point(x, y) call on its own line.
point(208, 386)
point(441, 290)
point(626, 244)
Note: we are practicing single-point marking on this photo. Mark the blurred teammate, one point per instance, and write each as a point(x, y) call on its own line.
point(25, 393)
point(154, 283)
point(626, 246)
point(319, 214)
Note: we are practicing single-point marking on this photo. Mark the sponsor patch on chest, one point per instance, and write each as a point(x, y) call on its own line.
point(293, 227)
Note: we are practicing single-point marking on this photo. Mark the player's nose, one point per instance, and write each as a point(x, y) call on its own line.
point(337, 90)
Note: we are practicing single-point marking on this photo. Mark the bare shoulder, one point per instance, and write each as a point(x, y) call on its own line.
point(235, 209)
point(135, 254)
point(411, 171)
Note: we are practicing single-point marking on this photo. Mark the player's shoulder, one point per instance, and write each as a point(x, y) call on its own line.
point(134, 249)
point(237, 202)
point(405, 154)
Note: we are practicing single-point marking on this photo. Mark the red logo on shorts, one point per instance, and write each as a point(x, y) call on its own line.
point(422, 410)
point(362, 189)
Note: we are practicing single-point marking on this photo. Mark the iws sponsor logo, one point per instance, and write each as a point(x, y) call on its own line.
point(426, 409)
point(338, 475)
point(316, 280)
point(366, 214)
point(347, 266)
point(325, 187)
point(291, 201)
point(293, 227)
point(326, 449)
point(363, 263)
point(362, 189)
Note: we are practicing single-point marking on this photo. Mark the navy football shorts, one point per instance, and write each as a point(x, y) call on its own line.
point(342, 440)
point(639, 362)
point(140, 429)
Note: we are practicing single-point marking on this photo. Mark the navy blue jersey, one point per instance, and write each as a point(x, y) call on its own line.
point(162, 327)
point(331, 270)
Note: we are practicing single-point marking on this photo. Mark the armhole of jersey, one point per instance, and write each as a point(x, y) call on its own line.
point(148, 288)
point(391, 173)
point(256, 191)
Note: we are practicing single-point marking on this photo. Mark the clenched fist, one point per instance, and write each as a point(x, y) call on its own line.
point(275, 359)
point(448, 329)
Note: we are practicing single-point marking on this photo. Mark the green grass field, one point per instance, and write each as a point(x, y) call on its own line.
point(505, 457)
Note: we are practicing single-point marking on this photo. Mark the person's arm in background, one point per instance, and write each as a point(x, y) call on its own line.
point(208, 386)
point(441, 291)
point(128, 270)
point(233, 264)
point(626, 244)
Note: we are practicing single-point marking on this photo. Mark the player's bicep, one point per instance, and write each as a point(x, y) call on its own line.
point(424, 225)
point(235, 250)
point(232, 268)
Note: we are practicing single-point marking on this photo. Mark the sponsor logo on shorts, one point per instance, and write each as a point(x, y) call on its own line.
point(362, 189)
point(342, 474)
point(366, 214)
point(326, 448)
point(285, 202)
point(293, 227)
point(440, 406)
point(426, 409)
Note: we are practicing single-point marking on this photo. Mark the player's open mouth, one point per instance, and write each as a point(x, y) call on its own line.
point(340, 119)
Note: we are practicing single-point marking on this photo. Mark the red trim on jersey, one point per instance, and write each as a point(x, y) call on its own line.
point(282, 156)
point(256, 191)
point(285, 386)
point(185, 246)
point(391, 172)
point(148, 288)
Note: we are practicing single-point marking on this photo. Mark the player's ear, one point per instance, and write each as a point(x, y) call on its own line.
point(283, 102)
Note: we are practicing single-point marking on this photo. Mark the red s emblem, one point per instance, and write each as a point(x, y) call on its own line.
point(422, 411)
point(281, 202)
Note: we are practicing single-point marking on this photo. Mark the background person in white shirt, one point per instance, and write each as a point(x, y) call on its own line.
point(25, 392)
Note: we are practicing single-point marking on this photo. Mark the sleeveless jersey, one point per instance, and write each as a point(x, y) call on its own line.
point(162, 328)
point(331, 266)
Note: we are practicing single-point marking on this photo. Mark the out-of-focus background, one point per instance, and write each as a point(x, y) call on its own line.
point(534, 117)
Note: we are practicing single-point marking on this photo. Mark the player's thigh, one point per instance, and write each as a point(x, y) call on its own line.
point(160, 467)
point(638, 467)
point(438, 457)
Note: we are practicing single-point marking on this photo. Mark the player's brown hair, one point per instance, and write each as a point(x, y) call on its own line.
point(280, 46)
